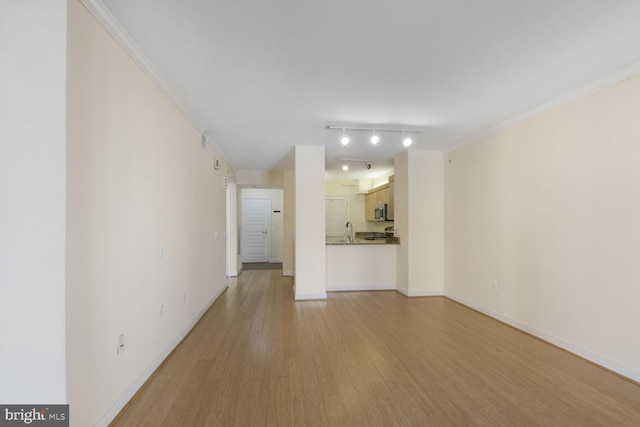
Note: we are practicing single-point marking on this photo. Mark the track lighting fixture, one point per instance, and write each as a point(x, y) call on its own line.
point(345, 163)
point(374, 138)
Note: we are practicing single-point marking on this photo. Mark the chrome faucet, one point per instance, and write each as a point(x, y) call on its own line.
point(349, 231)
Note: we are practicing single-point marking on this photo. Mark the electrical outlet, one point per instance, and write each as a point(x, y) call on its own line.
point(120, 347)
point(494, 285)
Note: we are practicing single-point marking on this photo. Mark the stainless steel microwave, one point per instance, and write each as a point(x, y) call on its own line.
point(381, 212)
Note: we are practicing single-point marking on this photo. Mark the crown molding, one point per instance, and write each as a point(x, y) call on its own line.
point(122, 37)
point(583, 91)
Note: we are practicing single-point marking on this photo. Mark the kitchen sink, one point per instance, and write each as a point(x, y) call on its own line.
point(373, 235)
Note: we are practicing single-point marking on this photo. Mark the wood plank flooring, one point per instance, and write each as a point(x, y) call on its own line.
point(258, 358)
point(262, 266)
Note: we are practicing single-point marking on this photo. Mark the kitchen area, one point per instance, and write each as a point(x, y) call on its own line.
point(360, 235)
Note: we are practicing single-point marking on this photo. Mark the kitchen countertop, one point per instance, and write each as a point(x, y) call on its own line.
point(362, 241)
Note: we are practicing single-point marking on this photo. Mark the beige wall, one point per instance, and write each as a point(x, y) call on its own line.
point(549, 209)
point(289, 223)
point(419, 222)
point(146, 223)
point(427, 183)
point(264, 178)
point(233, 257)
point(382, 179)
point(401, 220)
point(349, 188)
point(310, 251)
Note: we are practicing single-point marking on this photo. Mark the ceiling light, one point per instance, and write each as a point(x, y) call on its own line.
point(345, 138)
point(345, 167)
point(375, 138)
point(406, 141)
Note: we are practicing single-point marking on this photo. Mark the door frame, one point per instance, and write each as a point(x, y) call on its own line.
point(231, 230)
point(268, 216)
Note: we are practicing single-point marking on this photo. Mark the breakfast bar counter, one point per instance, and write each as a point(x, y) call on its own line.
point(361, 265)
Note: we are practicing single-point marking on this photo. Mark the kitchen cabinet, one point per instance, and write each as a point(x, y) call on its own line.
point(390, 208)
point(369, 205)
point(382, 196)
point(375, 197)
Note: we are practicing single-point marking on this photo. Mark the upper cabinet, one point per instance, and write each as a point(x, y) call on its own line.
point(382, 195)
point(390, 205)
point(369, 206)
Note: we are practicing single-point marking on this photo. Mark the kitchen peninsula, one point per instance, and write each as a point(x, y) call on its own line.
point(367, 263)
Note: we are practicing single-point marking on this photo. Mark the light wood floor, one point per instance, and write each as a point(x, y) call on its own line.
point(370, 359)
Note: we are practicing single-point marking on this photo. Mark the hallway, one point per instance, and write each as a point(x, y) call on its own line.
point(369, 359)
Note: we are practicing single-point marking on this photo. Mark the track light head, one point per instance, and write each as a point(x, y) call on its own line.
point(406, 141)
point(345, 138)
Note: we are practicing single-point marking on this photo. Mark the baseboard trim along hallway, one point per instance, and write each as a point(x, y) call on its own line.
point(113, 411)
point(369, 358)
point(612, 365)
point(411, 294)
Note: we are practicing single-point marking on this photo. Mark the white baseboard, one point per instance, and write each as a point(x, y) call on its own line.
point(348, 288)
point(420, 293)
point(287, 273)
point(115, 409)
point(308, 297)
point(619, 368)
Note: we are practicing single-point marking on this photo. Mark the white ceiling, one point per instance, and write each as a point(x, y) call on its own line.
point(263, 76)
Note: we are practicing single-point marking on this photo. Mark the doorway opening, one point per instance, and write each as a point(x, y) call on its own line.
point(261, 228)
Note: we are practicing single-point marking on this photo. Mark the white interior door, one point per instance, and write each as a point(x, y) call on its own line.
point(255, 230)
